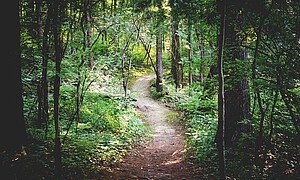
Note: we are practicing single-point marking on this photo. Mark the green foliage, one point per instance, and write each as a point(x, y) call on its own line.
point(139, 57)
point(199, 120)
point(200, 137)
point(106, 130)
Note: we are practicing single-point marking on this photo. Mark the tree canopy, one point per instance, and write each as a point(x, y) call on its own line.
point(230, 67)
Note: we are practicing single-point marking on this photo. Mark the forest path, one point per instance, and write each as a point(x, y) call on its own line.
point(164, 156)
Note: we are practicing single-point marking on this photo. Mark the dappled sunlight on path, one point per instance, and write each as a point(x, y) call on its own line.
point(164, 156)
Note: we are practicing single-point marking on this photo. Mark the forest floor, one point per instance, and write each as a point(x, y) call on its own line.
point(164, 157)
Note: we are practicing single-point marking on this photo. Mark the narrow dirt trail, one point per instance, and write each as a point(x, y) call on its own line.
point(164, 156)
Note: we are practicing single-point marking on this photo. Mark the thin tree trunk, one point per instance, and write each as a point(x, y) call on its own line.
point(159, 65)
point(287, 103)
point(190, 52)
point(148, 49)
point(201, 51)
point(221, 97)
point(84, 19)
point(159, 47)
point(58, 58)
point(254, 104)
point(262, 118)
point(39, 8)
point(79, 77)
point(89, 33)
point(176, 63)
point(272, 116)
point(44, 84)
point(40, 104)
point(77, 116)
point(126, 69)
point(257, 92)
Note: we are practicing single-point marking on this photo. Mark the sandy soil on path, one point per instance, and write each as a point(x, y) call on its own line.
point(164, 156)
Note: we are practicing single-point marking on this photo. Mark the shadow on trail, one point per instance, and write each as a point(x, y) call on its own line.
point(164, 156)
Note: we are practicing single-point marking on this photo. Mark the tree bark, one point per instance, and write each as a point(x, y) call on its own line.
point(259, 140)
point(89, 32)
point(237, 105)
point(12, 131)
point(176, 62)
point(236, 99)
point(126, 69)
point(190, 51)
point(39, 8)
point(58, 58)
point(272, 116)
point(44, 82)
point(287, 103)
point(221, 97)
point(39, 25)
point(159, 65)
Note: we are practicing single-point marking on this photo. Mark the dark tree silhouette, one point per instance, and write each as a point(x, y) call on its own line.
point(12, 132)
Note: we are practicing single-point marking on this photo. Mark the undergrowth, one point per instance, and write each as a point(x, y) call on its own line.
point(107, 129)
point(199, 108)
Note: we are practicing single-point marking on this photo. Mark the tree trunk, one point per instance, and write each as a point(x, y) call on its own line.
point(221, 97)
point(44, 82)
point(127, 68)
point(89, 32)
point(236, 99)
point(287, 102)
point(39, 25)
point(12, 131)
point(259, 140)
point(201, 51)
point(237, 105)
point(176, 62)
point(58, 57)
point(190, 52)
point(39, 8)
point(159, 65)
point(272, 116)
